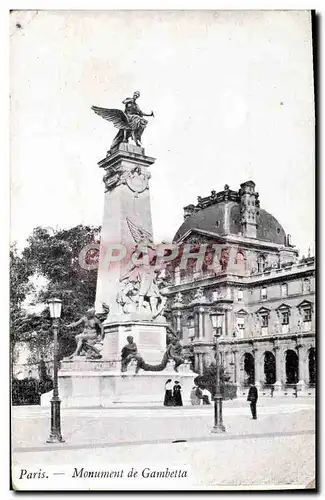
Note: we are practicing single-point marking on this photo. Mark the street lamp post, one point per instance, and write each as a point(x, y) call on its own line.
point(216, 319)
point(55, 434)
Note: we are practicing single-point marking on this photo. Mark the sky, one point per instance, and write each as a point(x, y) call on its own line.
point(232, 94)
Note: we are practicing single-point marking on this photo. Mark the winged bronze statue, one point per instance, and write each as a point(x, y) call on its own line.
point(130, 123)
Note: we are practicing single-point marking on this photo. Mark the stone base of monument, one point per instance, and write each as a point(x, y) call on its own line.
point(100, 383)
point(87, 383)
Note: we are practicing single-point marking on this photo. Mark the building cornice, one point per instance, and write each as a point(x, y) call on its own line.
point(247, 281)
point(245, 242)
point(280, 299)
point(232, 343)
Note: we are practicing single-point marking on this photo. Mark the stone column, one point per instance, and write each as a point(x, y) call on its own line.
point(236, 368)
point(201, 323)
point(228, 359)
point(199, 305)
point(228, 332)
point(206, 359)
point(201, 320)
point(278, 369)
point(302, 358)
point(257, 367)
point(225, 360)
point(196, 362)
point(177, 316)
point(231, 327)
point(200, 359)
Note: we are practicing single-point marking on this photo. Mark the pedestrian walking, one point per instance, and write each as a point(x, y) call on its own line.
point(177, 394)
point(168, 401)
point(195, 397)
point(252, 398)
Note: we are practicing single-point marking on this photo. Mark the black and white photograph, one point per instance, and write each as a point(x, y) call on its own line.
point(162, 250)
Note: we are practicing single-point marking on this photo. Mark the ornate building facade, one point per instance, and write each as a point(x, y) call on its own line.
point(252, 275)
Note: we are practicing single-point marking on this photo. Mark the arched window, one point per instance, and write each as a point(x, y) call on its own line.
point(312, 366)
point(291, 367)
point(248, 369)
point(269, 368)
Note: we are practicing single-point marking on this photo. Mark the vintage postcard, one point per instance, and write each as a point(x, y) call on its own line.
point(162, 258)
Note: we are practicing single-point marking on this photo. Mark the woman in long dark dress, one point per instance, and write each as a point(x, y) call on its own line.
point(177, 394)
point(168, 401)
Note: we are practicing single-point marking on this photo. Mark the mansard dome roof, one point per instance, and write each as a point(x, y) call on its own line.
point(220, 214)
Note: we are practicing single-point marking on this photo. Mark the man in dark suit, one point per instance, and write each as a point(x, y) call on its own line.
point(252, 398)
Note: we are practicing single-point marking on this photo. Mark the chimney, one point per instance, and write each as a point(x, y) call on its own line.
point(188, 211)
point(248, 203)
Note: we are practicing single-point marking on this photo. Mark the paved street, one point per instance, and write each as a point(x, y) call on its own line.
point(276, 449)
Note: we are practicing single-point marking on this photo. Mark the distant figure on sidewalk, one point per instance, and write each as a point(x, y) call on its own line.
point(195, 396)
point(252, 398)
point(168, 401)
point(177, 394)
point(206, 396)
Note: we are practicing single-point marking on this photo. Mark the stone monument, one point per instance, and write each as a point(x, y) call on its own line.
point(128, 286)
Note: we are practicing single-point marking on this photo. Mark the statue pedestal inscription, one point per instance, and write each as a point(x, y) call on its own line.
point(150, 338)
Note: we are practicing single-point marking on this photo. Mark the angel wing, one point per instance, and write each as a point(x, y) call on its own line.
point(116, 116)
point(139, 234)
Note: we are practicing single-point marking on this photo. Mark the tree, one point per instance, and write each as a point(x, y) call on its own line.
point(20, 286)
point(20, 273)
point(208, 381)
point(54, 254)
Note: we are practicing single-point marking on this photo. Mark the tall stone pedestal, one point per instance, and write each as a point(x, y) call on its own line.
point(127, 214)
